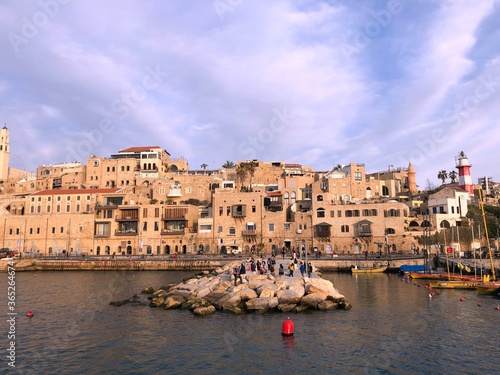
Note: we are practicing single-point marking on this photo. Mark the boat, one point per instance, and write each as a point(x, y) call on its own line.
point(454, 284)
point(369, 270)
point(437, 276)
point(487, 287)
point(413, 268)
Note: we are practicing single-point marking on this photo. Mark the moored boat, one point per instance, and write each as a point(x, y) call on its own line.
point(369, 270)
point(455, 284)
point(487, 287)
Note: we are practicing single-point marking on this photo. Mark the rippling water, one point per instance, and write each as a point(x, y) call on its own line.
point(393, 328)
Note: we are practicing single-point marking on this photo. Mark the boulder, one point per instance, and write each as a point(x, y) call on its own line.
point(148, 290)
point(288, 297)
point(230, 299)
point(157, 301)
point(214, 296)
point(299, 289)
point(327, 305)
point(300, 308)
point(312, 300)
point(247, 294)
point(176, 292)
point(286, 307)
point(202, 292)
point(174, 301)
point(262, 304)
point(204, 310)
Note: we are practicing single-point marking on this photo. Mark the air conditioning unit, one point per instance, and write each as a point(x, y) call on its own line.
point(299, 230)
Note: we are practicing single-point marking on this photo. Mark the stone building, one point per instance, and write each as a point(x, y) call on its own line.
point(141, 201)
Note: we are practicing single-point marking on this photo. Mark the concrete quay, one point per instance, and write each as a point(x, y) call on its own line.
point(194, 263)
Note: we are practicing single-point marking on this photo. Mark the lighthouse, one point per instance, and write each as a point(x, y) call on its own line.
point(464, 177)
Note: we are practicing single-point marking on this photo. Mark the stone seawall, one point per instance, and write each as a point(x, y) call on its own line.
point(326, 265)
point(112, 265)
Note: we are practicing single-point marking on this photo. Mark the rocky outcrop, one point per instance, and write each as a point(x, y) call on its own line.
point(209, 292)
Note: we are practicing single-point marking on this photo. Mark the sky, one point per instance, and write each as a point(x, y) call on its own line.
point(319, 83)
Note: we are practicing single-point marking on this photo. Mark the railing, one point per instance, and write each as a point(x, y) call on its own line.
point(249, 232)
point(172, 231)
point(126, 232)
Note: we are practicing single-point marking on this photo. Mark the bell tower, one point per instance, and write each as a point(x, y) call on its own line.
point(4, 153)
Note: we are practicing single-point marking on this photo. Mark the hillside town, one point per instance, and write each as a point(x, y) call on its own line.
point(141, 201)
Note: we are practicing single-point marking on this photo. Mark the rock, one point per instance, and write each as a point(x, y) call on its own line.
point(157, 302)
point(299, 289)
point(262, 304)
point(204, 310)
point(203, 291)
point(312, 300)
point(174, 301)
point(247, 294)
point(327, 305)
point(148, 290)
point(288, 297)
point(286, 307)
point(268, 289)
point(135, 299)
point(300, 308)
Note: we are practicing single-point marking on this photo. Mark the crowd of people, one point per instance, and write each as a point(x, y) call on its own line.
point(262, 267)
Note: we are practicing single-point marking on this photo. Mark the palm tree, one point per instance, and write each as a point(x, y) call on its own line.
point(453, 176)
point(241, 172)
point(204, 166)
point(229, 164)
point(443, 175)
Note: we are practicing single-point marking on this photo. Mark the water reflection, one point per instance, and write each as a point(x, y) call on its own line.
point(288, 342)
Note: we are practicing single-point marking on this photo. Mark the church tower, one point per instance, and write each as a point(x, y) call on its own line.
point(4, 153)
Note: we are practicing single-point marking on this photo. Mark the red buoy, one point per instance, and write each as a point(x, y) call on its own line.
point(30, 313)
point(287, 329)
point(479, 303)
point(462, 299)
point(498, 307)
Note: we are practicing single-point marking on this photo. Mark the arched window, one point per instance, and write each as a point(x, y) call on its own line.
point(285, 197)
point(390, 231)
point(385, 191)
point(320, 212)
point(319, 198)
point(292, 197)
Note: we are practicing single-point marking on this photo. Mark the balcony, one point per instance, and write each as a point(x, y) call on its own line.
point(125, 232)
point(249, 232)
point(127, 217)
point(175, 192)
point(166, 232)
point(365, 232)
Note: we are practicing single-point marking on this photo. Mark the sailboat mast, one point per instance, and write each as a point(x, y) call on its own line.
point(486, 234)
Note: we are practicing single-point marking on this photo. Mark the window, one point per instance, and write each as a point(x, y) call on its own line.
point(356, 213)
point(254, 209)
point(232, 231)
point(320, 212)
point(319, 198)
point(48, 208)
point(102, 229)
point(286, 226)
point(62, 229)
point(220, 211)
point(285, 197)
point(358, 176)
point(332, 213)
point(390, 231)
point(344, 228)
point(145, 226)
point(452, 209)
point(144, 212)
point(37, 230)
point(68, 207)
point(157, 226)
point(219, 230)
point(157, 212)
point(339, 213)
point(77, 208)
point(271, 227)
point(348, 213)
point(53, 230)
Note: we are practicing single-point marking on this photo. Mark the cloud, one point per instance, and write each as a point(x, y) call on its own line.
point(352, 83)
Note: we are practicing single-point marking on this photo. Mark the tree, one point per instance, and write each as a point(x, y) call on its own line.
point(429, 186)
point(443, 175)
point(204, 166)
point(453, 176)
point(229, 164)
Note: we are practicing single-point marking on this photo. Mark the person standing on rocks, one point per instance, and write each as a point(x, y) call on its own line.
point(236, 274)
point(290, 268)
point(302, 268)
point(309, 269)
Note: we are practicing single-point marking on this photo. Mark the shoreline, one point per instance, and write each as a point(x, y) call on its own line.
point(186, 264)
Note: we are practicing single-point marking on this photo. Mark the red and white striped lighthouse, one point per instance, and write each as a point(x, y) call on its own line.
point(464, 177)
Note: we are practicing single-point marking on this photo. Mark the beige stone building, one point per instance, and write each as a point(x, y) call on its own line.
point(141, 201)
